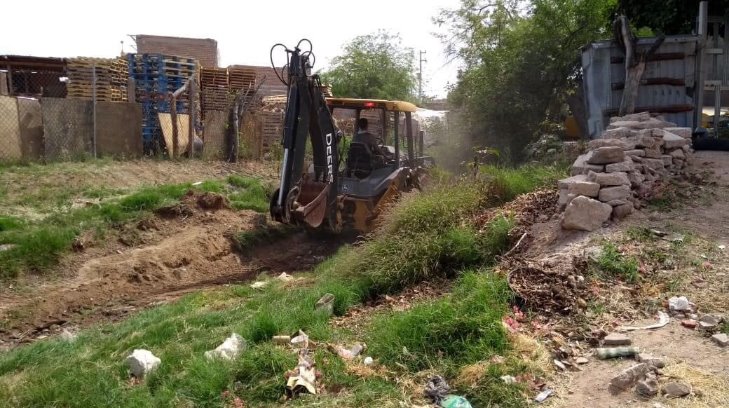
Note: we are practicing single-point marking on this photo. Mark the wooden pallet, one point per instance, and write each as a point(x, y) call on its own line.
point(241, 78)
point(214, 77)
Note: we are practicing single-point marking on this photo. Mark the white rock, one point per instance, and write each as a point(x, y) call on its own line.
point(68, 336)
point(606, 155)
point(679, 304)
point(229, 350)
point(586, 214)
point(597, 143)
point(684, 132)
point(563, 183)
point(368, 361)
point(141, 362)
point(671, 141)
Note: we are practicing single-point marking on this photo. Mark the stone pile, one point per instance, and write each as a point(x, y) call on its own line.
point(635, 154)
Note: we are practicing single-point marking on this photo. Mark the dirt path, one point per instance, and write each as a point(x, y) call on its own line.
point(156, 259)
point(690, 356)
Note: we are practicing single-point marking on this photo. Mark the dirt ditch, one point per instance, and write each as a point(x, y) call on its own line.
point(183, 248)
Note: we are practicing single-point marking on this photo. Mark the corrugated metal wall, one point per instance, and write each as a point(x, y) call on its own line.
point(604, 73)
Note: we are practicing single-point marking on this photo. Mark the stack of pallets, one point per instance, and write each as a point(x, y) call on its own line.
point(215, 90)
point(110, 79)
point(241, 79)
point(155, 76)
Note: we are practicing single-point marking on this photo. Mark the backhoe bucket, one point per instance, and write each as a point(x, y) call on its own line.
point(312, 203)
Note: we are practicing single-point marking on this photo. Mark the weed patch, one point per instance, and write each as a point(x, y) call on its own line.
point(612, 263)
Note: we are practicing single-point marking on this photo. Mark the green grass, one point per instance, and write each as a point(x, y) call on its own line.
point(506, 183)
point(426, 236)
point(612, 263)
point(38, 245)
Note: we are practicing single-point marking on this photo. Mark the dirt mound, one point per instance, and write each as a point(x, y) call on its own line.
point(527, 209)
point(185, 247)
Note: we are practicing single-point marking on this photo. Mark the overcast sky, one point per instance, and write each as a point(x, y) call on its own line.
point(245, 30)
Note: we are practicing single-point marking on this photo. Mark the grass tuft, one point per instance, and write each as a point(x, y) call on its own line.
point(614, 263)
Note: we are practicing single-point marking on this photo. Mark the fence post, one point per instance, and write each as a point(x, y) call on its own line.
point(173, 119)
point(93, 106)
point(191, 116)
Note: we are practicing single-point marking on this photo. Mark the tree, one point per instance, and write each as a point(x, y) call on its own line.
point(374, 66)
point(521, 63)
point(669, 16)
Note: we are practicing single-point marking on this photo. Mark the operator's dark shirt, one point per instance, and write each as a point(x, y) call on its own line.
point(366, 138)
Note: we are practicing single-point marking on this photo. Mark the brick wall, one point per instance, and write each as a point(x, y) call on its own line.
point(205, 50)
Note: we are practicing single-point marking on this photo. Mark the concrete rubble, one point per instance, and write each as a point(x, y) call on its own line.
point(229, 350)
point(141, 362)
point(634, 155)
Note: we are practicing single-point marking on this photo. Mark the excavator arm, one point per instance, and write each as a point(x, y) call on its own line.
point(303, 198)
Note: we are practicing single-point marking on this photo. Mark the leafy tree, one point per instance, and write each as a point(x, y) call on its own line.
point(669, 16)
point(521, 63)
point(373, 66)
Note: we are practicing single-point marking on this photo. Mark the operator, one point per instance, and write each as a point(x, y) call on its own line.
point(365, 137)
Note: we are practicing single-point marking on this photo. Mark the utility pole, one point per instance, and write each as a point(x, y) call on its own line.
point(420, 76)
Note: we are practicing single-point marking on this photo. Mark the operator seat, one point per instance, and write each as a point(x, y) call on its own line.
point(359, 160)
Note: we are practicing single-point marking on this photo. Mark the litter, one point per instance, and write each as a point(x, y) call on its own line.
point(722, 247)
point(679, 304)
point(455, 401)
point(302, 340)
point(281, 339)
point(543, 395)
point(663, 320)
point(258, 285)
point(302, 378)
point(436, 389)
point(613, 352)
point(326, 303)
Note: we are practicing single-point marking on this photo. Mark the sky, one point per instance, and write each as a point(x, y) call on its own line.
point(244, 30)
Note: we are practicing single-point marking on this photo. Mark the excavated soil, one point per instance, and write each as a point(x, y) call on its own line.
point(182, 248)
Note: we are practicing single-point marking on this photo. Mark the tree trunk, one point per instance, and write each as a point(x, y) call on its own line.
point(634, 63)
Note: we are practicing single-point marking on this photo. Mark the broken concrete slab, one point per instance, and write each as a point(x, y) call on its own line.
point(618, 133)
point(597, 143)
point(653, 153)
point(609, 179)
point(684, 132)
point(721, 339)
point(671, 141)
point(678, 154)
point(229, 349)
point(608, 194)
point(581, 165)
point(635, 153)
point(142, 362)
point(606, 155)
point(709, 322)
point(617, 339)
point(326, 303)
point(585, 214)
point(624, 166)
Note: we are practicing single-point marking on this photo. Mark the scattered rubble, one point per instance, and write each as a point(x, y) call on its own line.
point(302, 379)
point(689, 323)
point(614, 352)
point(326, 303)
point(679, 304)
point(709, 322)
point(647, 388)
point(629, 377)
point(141, 362)
point(721, 339)
point(542, 396)
point(229, 350)
point(650, 360)
point(628, 163)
